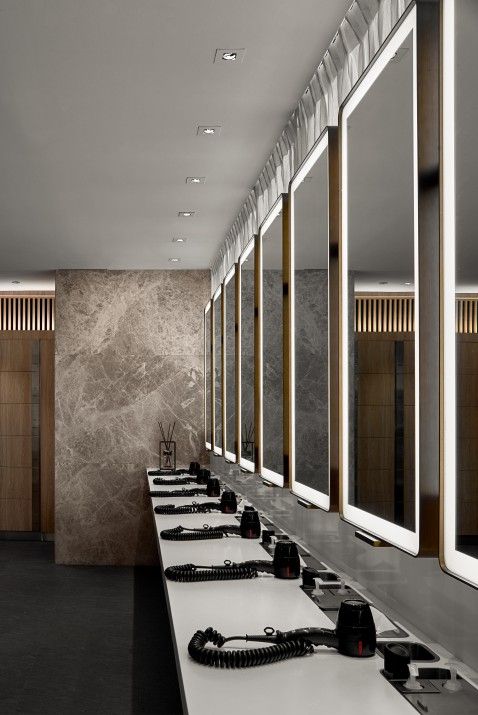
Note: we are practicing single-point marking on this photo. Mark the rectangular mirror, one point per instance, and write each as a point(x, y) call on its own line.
point(246, 355)
point(459, 538)
point(207, 376)
point(218, 369)
point(389, 369)
point(271, 364)
point(313, 279)
point(229, 293)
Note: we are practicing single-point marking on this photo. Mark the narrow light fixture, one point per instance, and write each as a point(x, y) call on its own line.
point(229, 56)
point(174, 260)
point(186, 214)
point(195, 180)
point(179, 240)
point(408, 283)
point(208, 130)
point(383, 283)
point(16, 282)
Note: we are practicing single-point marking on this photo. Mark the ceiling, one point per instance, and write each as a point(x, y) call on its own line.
point(99, 109)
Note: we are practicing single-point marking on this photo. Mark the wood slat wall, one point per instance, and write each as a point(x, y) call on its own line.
point(396, 314)
point(27, 312)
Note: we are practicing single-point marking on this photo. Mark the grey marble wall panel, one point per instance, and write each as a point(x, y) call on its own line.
point(311, 378)
point(217, 373)
point(230, 349)
point(247, 354)
point(273, 447)
point(129, 351)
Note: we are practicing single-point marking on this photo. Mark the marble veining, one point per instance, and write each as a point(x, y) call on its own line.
point(272, 371)
point(311, 378)
point(129, 351)
point(247, 355)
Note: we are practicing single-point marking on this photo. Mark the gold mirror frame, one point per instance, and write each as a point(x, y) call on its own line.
point(421, 18)
point(271, 477)
point(231, 275)
point(452, 561)
point(207, 350)
point(328, 140)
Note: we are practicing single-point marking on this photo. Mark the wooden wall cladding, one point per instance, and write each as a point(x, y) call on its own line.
point(27, 431)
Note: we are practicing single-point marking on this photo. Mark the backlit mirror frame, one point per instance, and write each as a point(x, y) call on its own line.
point(230, 276)
point(208, 352)
point(217, 300)
point(422, 20)
point(327, 141)
point(279, 207)
point(246, 464)
point(452, 561)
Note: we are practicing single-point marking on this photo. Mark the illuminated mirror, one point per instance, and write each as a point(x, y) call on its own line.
point(314, 224)
point(229, 291)
point(387, 415)
point(459, 543)
point(207, 376)
point(217, 328)
point(246, 417)
point(271, 392)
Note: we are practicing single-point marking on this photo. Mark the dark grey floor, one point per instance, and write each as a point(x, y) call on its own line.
point(89, 640)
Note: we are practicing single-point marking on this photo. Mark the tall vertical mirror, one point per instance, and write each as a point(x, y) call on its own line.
point(382, 212)
point(229, 407)
point(207, 376)
point(218, 370)
point(271, 391)
point(459, 538)
point(313, 232)
point(246, 322)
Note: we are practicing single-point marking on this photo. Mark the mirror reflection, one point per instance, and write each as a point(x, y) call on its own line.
point(217, 373)
point(466, 286)
point(272, 352)
point(381, 328)
point(311, 332)
point(247, 359)
point(207, 377)
point(230, 366)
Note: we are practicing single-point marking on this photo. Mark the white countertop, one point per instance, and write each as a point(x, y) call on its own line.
point(324, 681)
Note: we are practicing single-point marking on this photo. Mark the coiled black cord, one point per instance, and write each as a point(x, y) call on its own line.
point(244, 658)
point(189, 573)
point(183, 493)
point(182, 533)
point(169, 482)
point(193, 508)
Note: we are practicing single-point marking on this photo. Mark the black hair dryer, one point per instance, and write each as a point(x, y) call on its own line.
point(354, 636)
point(250, 524)
point(213, 488)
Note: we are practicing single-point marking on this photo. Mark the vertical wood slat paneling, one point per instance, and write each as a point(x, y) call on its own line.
point(27, 313)
point(396, 314)
point(387, 314)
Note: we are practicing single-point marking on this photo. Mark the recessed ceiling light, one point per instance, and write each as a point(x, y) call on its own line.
point(186, 214)
point(209, 130)
point(229, 54)
point(408, 283)
point(196, 180)
point(174, 260)
point(383, 283)
point(16, 282)
point(179, 240)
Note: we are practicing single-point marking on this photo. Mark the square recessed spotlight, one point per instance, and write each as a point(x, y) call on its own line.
point(186, 214)
point(209, 130)
point(175, 260)
point(229, 55)
point(195, 180)
point(179, 240)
